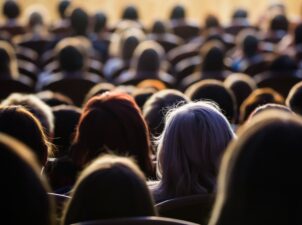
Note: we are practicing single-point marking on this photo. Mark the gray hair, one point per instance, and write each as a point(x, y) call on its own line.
point(190, 147)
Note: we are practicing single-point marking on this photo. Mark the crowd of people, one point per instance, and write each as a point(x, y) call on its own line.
point(101, 122)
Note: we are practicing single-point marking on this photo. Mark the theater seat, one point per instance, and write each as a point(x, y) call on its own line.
point(149, 220)
point(195, 208)
point(8, 87)
point(74, 88)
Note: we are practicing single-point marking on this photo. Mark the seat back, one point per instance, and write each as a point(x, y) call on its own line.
point(186, 31)
point(8, 87)
point(195, 208)
point(149, 220)
point(74, 88)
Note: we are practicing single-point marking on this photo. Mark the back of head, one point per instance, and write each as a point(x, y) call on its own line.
point(189, 149)
point(128, 47)
point(36, 106)
point(70, 59)
point(178, 13)
point(35, 20)
point(130, 13)
point(25, 199)
point(279, 23)
point(17, 122)
point(62, 8)
point(298, 34)
point(214, 90)
point(212, 21)
point(111, 187)
point(250, 45)
point(294, 98)
point(100, 22)
point(240, 14)
point(79, 21)
point(212, 54)
point(11, 9)
point(147, 57)
point(66, 120)
point(257, 98)
point(112, 121)
point(258, 178)
point(158, 27)
point(268, 107)
point(158, 105)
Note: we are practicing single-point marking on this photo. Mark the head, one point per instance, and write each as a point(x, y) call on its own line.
point(279, 23)
point(130, 13)
point(36, 106)
point(66, 120)
point(212, 21)
point(240, 14)
point(79, 21)
point(257, 182)
point(128, 45)
point(158, 105)
point(178, 12)
point(215, 91)
point(267, 107)
point(35, 20)
point(8, 60)
point(294, 98)
point(111, 187)
point(249, 43)
point(159, 27)
point(112, 122)
point(62, 8)
point(142, 95)
point(100, 22)
point(19, 123)
point(259, 97)
point(190, 147)
point(148, 57)
point(25, 199)
point(11, 9)
point(212, 54)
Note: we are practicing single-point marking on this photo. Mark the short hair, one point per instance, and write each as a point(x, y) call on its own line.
point(130, 13)
point(294, 98)
point(279, 22)
point(36, 106)
point(240, 14)
point(212, 54)
point(212, 21)
point(100, 21)
point(214, 90)
point(269, 106)
point(62, 8)
point(189, 149)
point(158, 105)
point(178, 12)
point(25, 197)
point(11, 9)
point(19, 123)
point(142, 95)
point(254, 185)
point(112, 121)
point(79, 20)
point(158, 27)
point(250, 44)
point(258, 97)
point(66, 120)
point(35, 19)
point(111, 187)
point(70, 59)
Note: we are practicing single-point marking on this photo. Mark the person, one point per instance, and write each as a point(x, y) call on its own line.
point(258, 179)
point(112, 122)
point(110, 187)
point(293, 100)
point(189, 150)
point(25, 199)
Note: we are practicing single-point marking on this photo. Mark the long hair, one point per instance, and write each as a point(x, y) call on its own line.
point(190, 147)
point(112, 121)
point(111, 187)
point(259, 179)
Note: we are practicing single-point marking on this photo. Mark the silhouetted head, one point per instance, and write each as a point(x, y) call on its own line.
point(250, 45)
point(158, 27)
point(189, 149)
point(35, 20)
point(19, 123)
point(212, 54)
point(11, 9)
point(112, 122)
point(100, 22)
point(62, 8)
point(158, 105)
point(240, 14)
point(258, 97)
point(130, 13)
point(142, 95)
point(279, 23)
point(294, 98)
point(213, 90)
point(25, 199)
point(79, 21)
point(111, 187)
point(268, 107)
point(178, 13)
point(212, 21)
point(257, 182)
